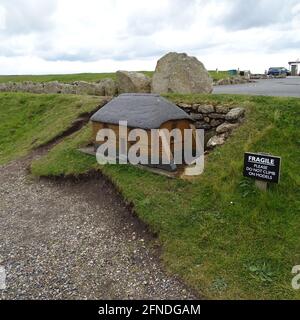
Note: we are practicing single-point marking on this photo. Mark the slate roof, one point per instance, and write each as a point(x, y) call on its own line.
point(145, 111)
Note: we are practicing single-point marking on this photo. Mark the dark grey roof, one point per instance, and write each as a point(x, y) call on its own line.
point(146, 111)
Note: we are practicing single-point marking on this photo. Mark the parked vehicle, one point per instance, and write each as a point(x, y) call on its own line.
point(276, 72)
point(286, 71)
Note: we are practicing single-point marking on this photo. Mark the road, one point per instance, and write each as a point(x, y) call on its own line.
point(288, 87)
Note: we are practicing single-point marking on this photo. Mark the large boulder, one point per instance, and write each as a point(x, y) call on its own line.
point(180, 73)
point(83, 88)
point(106, 87)
point(133, 82)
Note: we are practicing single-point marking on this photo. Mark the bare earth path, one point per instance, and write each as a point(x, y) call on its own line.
point(75, 240)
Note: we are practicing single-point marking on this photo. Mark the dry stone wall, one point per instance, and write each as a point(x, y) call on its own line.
point(232, 80)
point(217, 121)
point(105, 87)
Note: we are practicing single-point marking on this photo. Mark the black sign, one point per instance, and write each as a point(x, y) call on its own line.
point(262, 167)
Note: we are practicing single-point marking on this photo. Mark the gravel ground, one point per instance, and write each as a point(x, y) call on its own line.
point(75, 240)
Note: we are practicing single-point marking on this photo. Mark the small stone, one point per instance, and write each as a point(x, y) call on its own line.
point(195, 107)
point(206, 109)
point(223, 82)
point(235, 114)
point(217, 116)
point(215, 122)
point(202, 125)
point(184, 105)
point(197, 116)
point(207, 119)
point(226, 127)
point(222, 109)
point(216, 141)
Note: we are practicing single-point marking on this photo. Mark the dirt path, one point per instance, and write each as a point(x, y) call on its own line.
point(75, 240)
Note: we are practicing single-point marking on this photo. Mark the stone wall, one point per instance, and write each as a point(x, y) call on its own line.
point(105, 87)
point(218, 121)
point(134, 82)
point(232, 80)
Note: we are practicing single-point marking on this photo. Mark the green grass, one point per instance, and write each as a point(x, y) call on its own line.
point(28, 120)
point(66, 78)
point(219, 75)
point(219, 233)
point(89, 77)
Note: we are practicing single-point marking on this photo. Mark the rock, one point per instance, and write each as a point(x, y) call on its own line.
point(202, 125)
point(197, 116)
point(235, 114)
point(133, 82)
point(99, 89)
point(107, 87)
point(226, 127)
point(110, 87)
point(37, 88)
point(68, 89)
point(217, 115)
point(207, 119)
point(208, 135)
point(215, 122)
point(216, 141)
point(3, 87)
point(53, 87)
point(223, 82)
point(206, 109)
point(180, 73)
point(195, 106)
point(222, 109)
point(83, 87)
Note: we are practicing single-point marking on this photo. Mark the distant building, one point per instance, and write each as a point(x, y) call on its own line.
point(294, 67)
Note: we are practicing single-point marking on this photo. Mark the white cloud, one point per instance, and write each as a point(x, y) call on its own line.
point(28, 16)
point(2, 17)
point(99, 35)
point(242, 15)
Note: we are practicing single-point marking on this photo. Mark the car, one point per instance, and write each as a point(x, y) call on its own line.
point(286, 71)
point(278, 71)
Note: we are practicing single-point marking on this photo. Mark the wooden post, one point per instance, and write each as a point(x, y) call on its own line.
point(261, 185)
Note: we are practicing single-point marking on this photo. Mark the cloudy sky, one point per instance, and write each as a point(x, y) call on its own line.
point(69, 36)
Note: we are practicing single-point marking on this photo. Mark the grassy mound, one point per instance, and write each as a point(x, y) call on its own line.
point(221, 235)
point(28, 120)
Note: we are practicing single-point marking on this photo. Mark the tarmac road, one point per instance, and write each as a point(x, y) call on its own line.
point(288, 87)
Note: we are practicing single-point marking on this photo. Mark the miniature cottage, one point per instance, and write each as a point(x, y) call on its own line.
point(143, 111)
